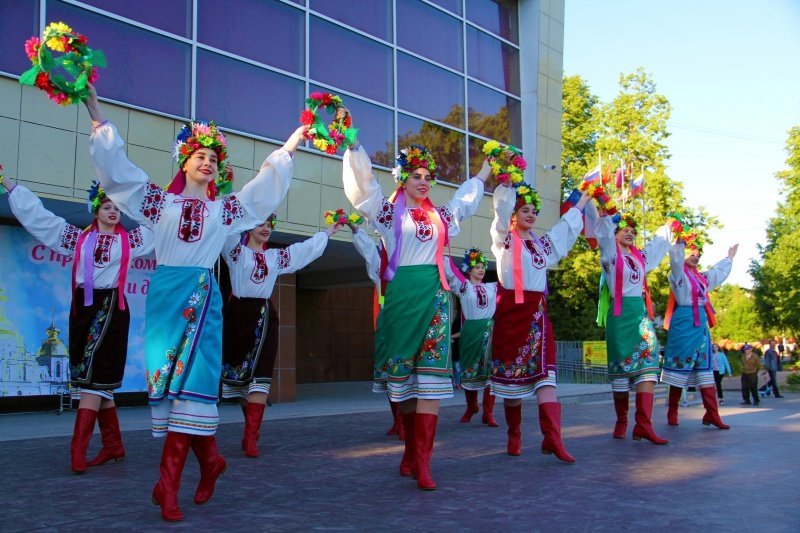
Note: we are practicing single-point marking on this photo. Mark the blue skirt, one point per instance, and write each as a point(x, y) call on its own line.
point(688, 346)
point(183, 335)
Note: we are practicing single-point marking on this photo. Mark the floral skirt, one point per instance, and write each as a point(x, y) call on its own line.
point(688, 346)
point(183, 335)
point(631, 340)
point(249, 340)
point(476, 348)
point(523, 347)
point(414, 336)
point(98, 340)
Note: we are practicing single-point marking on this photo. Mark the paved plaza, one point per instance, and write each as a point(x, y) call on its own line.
point(338, 472)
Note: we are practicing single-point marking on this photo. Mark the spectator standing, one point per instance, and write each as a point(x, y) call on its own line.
point(721, 367)
point(751, 364)
point(772, 362)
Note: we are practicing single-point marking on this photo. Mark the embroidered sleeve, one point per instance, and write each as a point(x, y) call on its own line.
point(46, 227)
point(561, 238)
point(69, 238)
point(716, 276)
point(300, 254)
point(284, 259)
point(658, 247)
point(385, 214)
point(447, 215)
point(231, 210)
point(363, 190)
point(135, 238)
point(503, 199)
point(153, 202)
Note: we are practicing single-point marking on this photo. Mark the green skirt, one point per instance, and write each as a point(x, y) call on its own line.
point(414, 331)
point(475, 346)
point(631, 340)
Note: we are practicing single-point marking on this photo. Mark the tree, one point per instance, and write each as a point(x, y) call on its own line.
point(737, 319)
point(776, 279)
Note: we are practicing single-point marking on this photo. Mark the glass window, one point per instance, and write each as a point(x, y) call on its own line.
point(365, 69)
point(429, 90)
point(442, 40)
point(497, 16)
point(451, 5)
point(18, 23)
point(476, 157)
point(446, 145)
point(162, 83)
point(492, 61)
point(375, 127)
point(370, 16)
point(174, 16)
point(282, 28)
point(226, 94)
point(494, 114)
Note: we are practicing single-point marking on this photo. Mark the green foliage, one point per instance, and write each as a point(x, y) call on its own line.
point(776, 278)
point(793, 379)
point(737, 319)
point(735, 360)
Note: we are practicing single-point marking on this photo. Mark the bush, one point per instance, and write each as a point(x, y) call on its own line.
point(793, 379)
point(735, 360)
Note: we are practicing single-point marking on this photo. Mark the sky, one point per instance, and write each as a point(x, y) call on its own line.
point(731, 71)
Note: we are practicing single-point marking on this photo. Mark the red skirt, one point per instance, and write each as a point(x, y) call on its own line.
point(523, 347)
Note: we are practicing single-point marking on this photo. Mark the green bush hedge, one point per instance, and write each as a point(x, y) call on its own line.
point(735, 360)
point(793, 379)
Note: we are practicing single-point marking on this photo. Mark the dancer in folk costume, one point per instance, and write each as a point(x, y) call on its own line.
point(414, 364)
point(628, 317)
point(688, 357)
point(184, 310)
point(523, 347)
point(250, 319)
point(366, 248)
point(478, 301)
point(99, 319)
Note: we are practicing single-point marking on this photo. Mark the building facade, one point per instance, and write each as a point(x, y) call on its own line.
point(448, 74)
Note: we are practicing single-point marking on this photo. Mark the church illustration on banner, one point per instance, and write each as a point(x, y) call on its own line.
point(23, 373)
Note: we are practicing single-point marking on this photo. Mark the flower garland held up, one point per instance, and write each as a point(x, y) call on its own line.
point(683, 232)
point(48, 71)
point(598, 192)
point(339, 133)
point(511, 171)
point(339, 217)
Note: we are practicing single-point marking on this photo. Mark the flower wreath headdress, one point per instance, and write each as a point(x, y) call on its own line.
point(272, 220)
point(97, 195)
point(472, 257)
point(197, 135)
point(527, 195)
point(412, 158)
point(624, 220)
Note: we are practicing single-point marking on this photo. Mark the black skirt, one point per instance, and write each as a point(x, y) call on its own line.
point(98, 340)
point(249, 341)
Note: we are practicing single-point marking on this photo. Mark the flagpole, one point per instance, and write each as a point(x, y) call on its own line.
point(644, 212)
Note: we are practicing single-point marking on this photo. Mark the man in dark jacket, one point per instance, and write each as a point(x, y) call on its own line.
point(772, 362)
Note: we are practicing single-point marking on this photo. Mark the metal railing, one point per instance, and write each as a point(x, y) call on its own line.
point(571, 368)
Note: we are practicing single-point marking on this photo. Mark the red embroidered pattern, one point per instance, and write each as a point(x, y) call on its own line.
point(153, 202)
point(102, 251)
point(483, 297)
point(231, 210)
point(260, 268)
point(547, 245)
point(69, 237)
point(234, 255)
point(423, 222)
point(633, 265)
point(446, 214)
point(135, 238)
point(507, 242)
point(284, 259)
point(386, 214)
point(190, 227)
point(537, 259)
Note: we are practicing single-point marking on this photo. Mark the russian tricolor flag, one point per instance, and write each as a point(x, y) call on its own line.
point(637, 186)
point(589, 217)
point(593, 176)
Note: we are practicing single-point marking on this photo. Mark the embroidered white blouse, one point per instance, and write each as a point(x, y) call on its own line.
point(477, 301)
point(366, 248)
point(536, 257)
point(682, 286)
point(419, 236)
point(632, 275)
point(253, 273)
point(188, 231)
point(62, 237)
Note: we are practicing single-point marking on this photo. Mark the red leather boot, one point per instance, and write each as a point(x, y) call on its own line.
point(621, 401)
point(112, 438)
point(424, 435)
point(550, 424)
point(252, 427)
point(488, 409)
point(472, 405)
point(212, 465)
point(173, 457)
point(712, 413)
point(514, 421)
point(672, 405)
point(395, 416)
point(407, 463)
point(81, 435)
point(644, 427)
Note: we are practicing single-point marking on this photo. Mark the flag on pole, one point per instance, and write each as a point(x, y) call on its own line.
point(593, 176)
point(619, 178)
point(607, 175)
point(637, 186)
point(588, 230)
